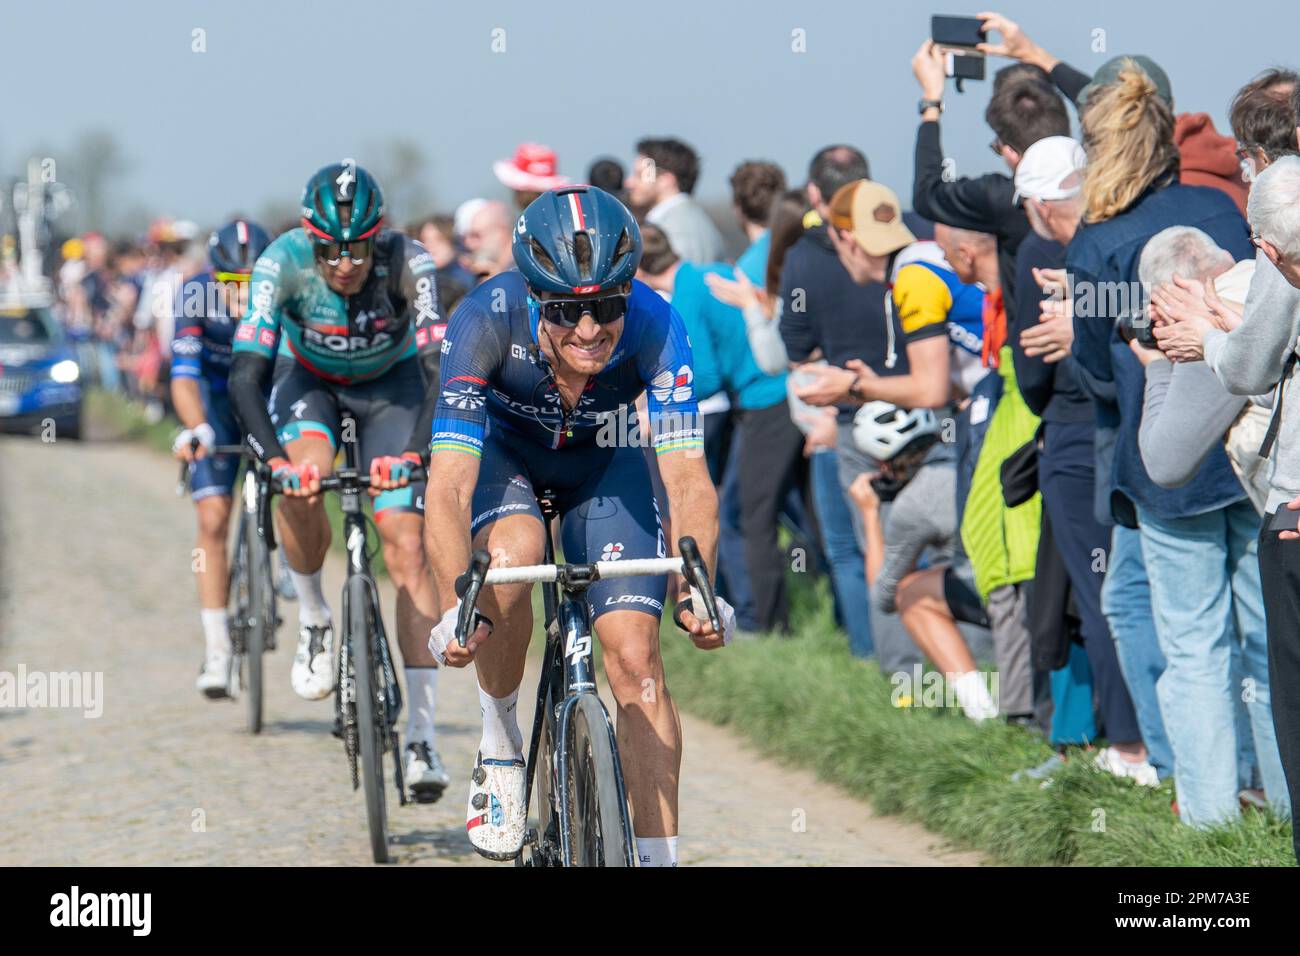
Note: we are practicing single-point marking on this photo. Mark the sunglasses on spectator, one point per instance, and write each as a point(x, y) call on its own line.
point(232, 276)
point(567, 313)
point(997, 146)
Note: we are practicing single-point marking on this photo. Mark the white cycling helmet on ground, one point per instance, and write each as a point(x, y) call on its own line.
point(882, 429)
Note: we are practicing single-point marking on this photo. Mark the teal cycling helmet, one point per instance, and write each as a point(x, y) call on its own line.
point(342, 203)
point(576, 240)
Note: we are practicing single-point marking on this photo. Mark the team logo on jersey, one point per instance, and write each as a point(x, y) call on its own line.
point(612, 551)
point(667, 387)
point(266, 337)
point(298, 408)
point(464, 393)
point(517, 351)
point(246, 332)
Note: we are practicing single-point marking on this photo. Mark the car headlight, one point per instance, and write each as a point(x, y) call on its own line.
point(65, 372)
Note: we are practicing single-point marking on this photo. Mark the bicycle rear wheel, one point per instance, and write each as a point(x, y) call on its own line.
point(370, 741)
point(261, 617)
point(598, 821)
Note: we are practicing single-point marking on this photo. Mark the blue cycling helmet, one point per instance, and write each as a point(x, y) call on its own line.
point(236, 245)
point(576, 240)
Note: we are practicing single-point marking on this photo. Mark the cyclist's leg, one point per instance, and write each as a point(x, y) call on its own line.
point(929, 603)
point(306, 418)
point(613, 516)
point(386, 412)
point(211, 480)
point(305, 414)
point(507, 523)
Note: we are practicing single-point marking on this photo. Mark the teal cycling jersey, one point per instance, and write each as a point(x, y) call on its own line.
point(343, 339)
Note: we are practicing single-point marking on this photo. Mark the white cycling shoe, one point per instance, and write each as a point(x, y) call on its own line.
point(496, 818)
point(214, 678)
point(314, 672)
point(423, 772)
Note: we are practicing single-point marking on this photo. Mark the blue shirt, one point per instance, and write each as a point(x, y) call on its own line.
point(723, 326)
point(493, 370)
point(753, 261)
point(1108, 252)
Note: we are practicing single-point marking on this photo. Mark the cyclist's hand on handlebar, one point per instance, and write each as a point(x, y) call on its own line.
point(698, 628)
point(296, 481)
point(392, 471)
point(443, 644)
point(193, 443)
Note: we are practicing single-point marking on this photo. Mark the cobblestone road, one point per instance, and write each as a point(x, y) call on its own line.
point(96, 579)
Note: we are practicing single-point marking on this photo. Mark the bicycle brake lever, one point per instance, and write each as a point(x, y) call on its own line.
point(698, 578)
point(467, 587)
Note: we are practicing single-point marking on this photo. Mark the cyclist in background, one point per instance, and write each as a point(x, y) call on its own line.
point(537, 362)
point(207, 310)
point(344, 314)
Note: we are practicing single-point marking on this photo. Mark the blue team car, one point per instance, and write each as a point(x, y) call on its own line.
point(40, 382)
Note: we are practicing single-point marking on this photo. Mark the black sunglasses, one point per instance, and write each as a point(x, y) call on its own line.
point(332, 252)
point(567, 313)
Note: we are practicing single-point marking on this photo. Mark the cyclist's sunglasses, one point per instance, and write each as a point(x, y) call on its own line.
point(567, 313)
point(331, 252)
point(232, 276)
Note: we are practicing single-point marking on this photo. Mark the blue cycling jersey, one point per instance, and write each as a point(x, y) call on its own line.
point(494, 370)
point(204, 333)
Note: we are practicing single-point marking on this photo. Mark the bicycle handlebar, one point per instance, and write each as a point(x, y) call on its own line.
point(183, 479)
point(689, 564)
point(343, 480)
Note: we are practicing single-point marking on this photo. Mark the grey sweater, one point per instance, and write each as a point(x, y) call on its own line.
point(1185, 413)
point(1249, 361)
point(924, 515)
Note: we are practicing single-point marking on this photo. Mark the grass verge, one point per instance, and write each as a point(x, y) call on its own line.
point(807, 701)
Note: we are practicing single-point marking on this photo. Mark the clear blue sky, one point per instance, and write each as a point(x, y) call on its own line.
point(287, 85)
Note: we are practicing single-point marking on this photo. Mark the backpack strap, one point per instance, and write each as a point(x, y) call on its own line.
point(1275, 420)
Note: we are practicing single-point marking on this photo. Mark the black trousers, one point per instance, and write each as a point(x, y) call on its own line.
point(1279, 574)
point(770, 461)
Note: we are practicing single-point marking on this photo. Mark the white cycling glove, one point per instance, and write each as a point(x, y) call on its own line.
point(444, 632)
point(203, 432)
point(726, 614)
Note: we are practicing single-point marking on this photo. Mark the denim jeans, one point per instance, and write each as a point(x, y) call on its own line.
point(1126, 602)
point(733, 572)
point(848, 575)
point(1206, 596)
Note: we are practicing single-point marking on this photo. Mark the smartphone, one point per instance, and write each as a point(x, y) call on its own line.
point(1284, 519)
point(957, 31)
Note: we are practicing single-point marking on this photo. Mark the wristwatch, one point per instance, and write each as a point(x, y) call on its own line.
point(924, 105)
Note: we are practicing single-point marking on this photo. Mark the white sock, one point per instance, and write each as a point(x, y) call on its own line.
point(312, 609)
point(501, 737)
point(656, 851)
point(216, 630)
point(972, 695)
point(422, 689)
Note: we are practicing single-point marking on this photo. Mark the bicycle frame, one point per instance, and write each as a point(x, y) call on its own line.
point(568, 672)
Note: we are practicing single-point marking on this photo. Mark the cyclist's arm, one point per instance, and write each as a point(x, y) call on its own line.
point(419, 287)
point(677, 436)
point(473, 351)
point(253, 351)
point(187, 349)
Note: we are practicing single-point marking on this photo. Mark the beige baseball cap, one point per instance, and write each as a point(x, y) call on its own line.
point(872, 213)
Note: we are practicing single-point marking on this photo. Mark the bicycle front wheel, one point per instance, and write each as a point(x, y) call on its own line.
point(366, 691)
point(598, 821)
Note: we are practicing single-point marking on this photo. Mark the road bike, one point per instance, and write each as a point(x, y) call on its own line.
point(251, 605)
point(582, 815)
point(369, 700)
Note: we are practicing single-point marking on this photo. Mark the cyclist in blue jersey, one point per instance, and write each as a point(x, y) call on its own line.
point(541, 371)
point(344, 315)
point(207, 310)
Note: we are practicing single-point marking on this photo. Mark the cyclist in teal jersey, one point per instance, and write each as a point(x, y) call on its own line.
point(344, 314)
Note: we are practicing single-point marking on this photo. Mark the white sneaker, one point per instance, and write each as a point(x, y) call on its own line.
point(214, 677)
point(314, 670)
point(496, 818)
point(1110, 761)
point(423, 772)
